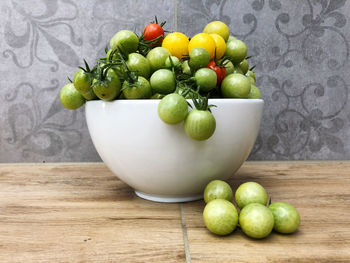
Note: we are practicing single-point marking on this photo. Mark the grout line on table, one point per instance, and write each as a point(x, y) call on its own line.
point(184, 232)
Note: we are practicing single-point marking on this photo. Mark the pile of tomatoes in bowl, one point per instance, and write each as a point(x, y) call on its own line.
point(182, 72)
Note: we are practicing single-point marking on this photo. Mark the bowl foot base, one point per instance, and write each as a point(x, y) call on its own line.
point(168, 199)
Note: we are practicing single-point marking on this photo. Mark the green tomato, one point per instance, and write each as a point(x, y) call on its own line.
point(186, 68)
point(251, 74)
point(90, 95)
point(254, 93)
point(175, 60)
point(250, 192)
point(173, 108)
point(140, 64)
point(235, 86)
point(163, 81)
point(229, 68)
point(121, 96)
point(71, 98)
point(156, 58)
point(238, 70)
point(256, 220)
point(287, 219)
point(230, 38)
point(244, 66)
point(120, 70)
point(236, 50)
point(199, 58)
point(125, 40)
point(200, 125)
point(139, 90)
point(115, 55)
point(109, 88)
point(157, 96)
point(217, 189)
point(206, 79)
point(82, 81)
point(220, 217)
point(251, 80)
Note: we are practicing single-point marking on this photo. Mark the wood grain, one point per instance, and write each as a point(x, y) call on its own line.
point(82, 213)
point(321, 193)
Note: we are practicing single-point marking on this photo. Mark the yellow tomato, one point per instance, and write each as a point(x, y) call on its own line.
point(177, 44)
point(205, 41)
point(220, 45)
point(217, 27)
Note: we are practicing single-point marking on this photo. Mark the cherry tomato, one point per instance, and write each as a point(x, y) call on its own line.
point(82, 82)
point(220, 217)
point(140, 64)
point(126, 40)
point(229, 68)
point(199, 124)
point(244, 66)
point(235, 86)
point(254, 92)
point(231, 38)
point(109, 88)
point(219, 28)
point(220, 71)
point(256, 220)
point(220, 45)
point(71, 98)
point(115, 55)
point(152, 31)
point(205, 41)
point(205, 79)
point(287, 218)
point(172, 109)
point(163, 81)
point(175, 60)
point(157, 96)
point(217, 189)
point(251, 74)
point(199, 58)
point(177, 44)
point(236, 50)
point(250, 192)
point(139, 90)
point(156, 58)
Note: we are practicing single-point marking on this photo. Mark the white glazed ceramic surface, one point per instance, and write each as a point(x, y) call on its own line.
point(158, 160)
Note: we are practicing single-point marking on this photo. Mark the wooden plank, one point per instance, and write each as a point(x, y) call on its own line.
point(321, 193)
point(82, 213)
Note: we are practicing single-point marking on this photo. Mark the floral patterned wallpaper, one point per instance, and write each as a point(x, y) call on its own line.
point(300, 49)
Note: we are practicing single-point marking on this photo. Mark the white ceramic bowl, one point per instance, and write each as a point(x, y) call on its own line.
point(158, 160)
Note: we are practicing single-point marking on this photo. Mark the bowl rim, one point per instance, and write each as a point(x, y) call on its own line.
point(150, 101)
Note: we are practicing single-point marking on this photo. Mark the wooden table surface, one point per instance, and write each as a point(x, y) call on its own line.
point(83, 213)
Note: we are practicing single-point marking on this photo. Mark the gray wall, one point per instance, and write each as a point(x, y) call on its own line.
point(300, 49)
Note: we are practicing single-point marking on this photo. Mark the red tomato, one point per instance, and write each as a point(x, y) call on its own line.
point(220, 71)
point(152, 31)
